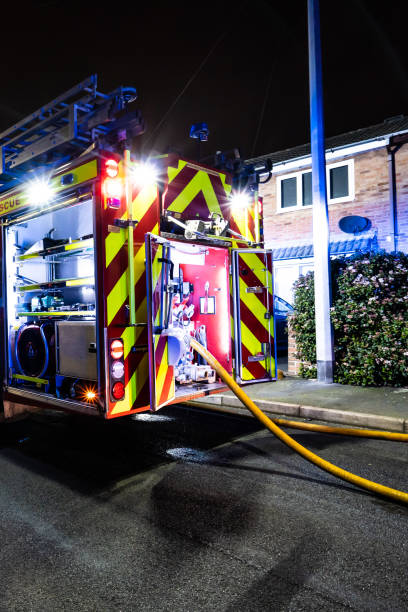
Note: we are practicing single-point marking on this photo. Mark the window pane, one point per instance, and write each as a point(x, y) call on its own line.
point(288, 192)
point(307, 189)
point(339, 187)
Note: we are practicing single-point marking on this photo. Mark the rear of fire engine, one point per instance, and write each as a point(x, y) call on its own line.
point(110, 265)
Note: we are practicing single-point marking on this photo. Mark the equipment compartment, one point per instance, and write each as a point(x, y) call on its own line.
point(50, 288)
point(189, 296)
point(76, 349)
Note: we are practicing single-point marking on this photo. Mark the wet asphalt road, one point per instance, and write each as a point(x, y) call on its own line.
point(190, 511)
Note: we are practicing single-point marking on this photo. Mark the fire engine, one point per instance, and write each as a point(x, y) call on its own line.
point(110, 263)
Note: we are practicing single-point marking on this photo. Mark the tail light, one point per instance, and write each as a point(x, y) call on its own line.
point(116, 349)
point(118, 390)
point(111, 168)
point(112, 186)
point(116, 369)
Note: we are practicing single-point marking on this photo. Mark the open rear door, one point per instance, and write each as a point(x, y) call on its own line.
point(255, 356)
point(159, 272)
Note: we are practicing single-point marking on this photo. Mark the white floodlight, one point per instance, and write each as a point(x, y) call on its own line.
point(39, 192)
point(240, 200)
point(145, 175)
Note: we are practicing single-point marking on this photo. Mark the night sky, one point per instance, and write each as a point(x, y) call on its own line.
point(249, 61)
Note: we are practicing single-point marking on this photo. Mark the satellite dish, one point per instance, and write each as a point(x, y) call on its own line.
point(354, 224)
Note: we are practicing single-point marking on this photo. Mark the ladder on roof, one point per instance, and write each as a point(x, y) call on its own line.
point(62, 129)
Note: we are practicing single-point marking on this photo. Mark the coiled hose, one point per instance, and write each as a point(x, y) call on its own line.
point(363, 483)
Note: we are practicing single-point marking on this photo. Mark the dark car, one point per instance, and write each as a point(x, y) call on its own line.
point(282, 309)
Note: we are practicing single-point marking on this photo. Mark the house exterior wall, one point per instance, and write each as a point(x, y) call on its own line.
point(293, 227)
point(371, 200)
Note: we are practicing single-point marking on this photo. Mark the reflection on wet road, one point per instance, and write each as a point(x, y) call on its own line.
point(184, 510)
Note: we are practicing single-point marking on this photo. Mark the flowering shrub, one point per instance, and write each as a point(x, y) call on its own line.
point(369, 316)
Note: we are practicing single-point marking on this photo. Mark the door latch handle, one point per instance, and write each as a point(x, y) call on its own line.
point(255, 289)
point(261, 356)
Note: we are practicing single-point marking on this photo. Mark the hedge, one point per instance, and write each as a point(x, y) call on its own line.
point(369, 317)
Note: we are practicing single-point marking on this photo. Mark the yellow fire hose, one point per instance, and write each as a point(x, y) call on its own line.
point(379, 489)
point(344, 431)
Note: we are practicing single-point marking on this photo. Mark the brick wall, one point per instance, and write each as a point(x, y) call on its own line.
point(371, 201)
point(293, 362)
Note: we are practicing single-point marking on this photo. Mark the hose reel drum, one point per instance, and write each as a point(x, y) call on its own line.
point(35, 349)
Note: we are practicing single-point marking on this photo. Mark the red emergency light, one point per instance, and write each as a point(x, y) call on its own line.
point(112, 168)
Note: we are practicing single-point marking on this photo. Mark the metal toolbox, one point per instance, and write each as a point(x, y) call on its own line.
point(76, 349)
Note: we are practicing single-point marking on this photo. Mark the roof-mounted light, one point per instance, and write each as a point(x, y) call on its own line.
point(40, 192)
point(144, 175)
point(240, 200)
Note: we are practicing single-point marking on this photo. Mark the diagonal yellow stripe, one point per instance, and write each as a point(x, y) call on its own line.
point(140, 206)
point(161, 374)
point(227, 188)
point(250, 341)
point(120, 292)
point(258, 267)
point(117, 297)
point(239, 218)
point(253, 345)
point(143, 201)
point(172, 172)
point(114, 242)
point(133, 387)
point(254, 304)
point(246, 374)
point(157, 271)
point(130, 337)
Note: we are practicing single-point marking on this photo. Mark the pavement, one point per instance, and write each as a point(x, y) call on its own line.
point(376, 408)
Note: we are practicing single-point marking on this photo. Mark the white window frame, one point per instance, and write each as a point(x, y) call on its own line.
point(298, 175)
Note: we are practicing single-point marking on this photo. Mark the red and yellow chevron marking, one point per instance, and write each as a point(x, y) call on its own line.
point(164, 382)
point(255, 270)
point(194, 191)
point(145, 208)
point(235, 244)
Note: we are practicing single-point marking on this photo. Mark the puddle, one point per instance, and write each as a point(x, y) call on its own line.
point(188, 454)
point(143, 416)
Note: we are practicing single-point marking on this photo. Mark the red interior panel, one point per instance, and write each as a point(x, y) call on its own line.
point(215, 272)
